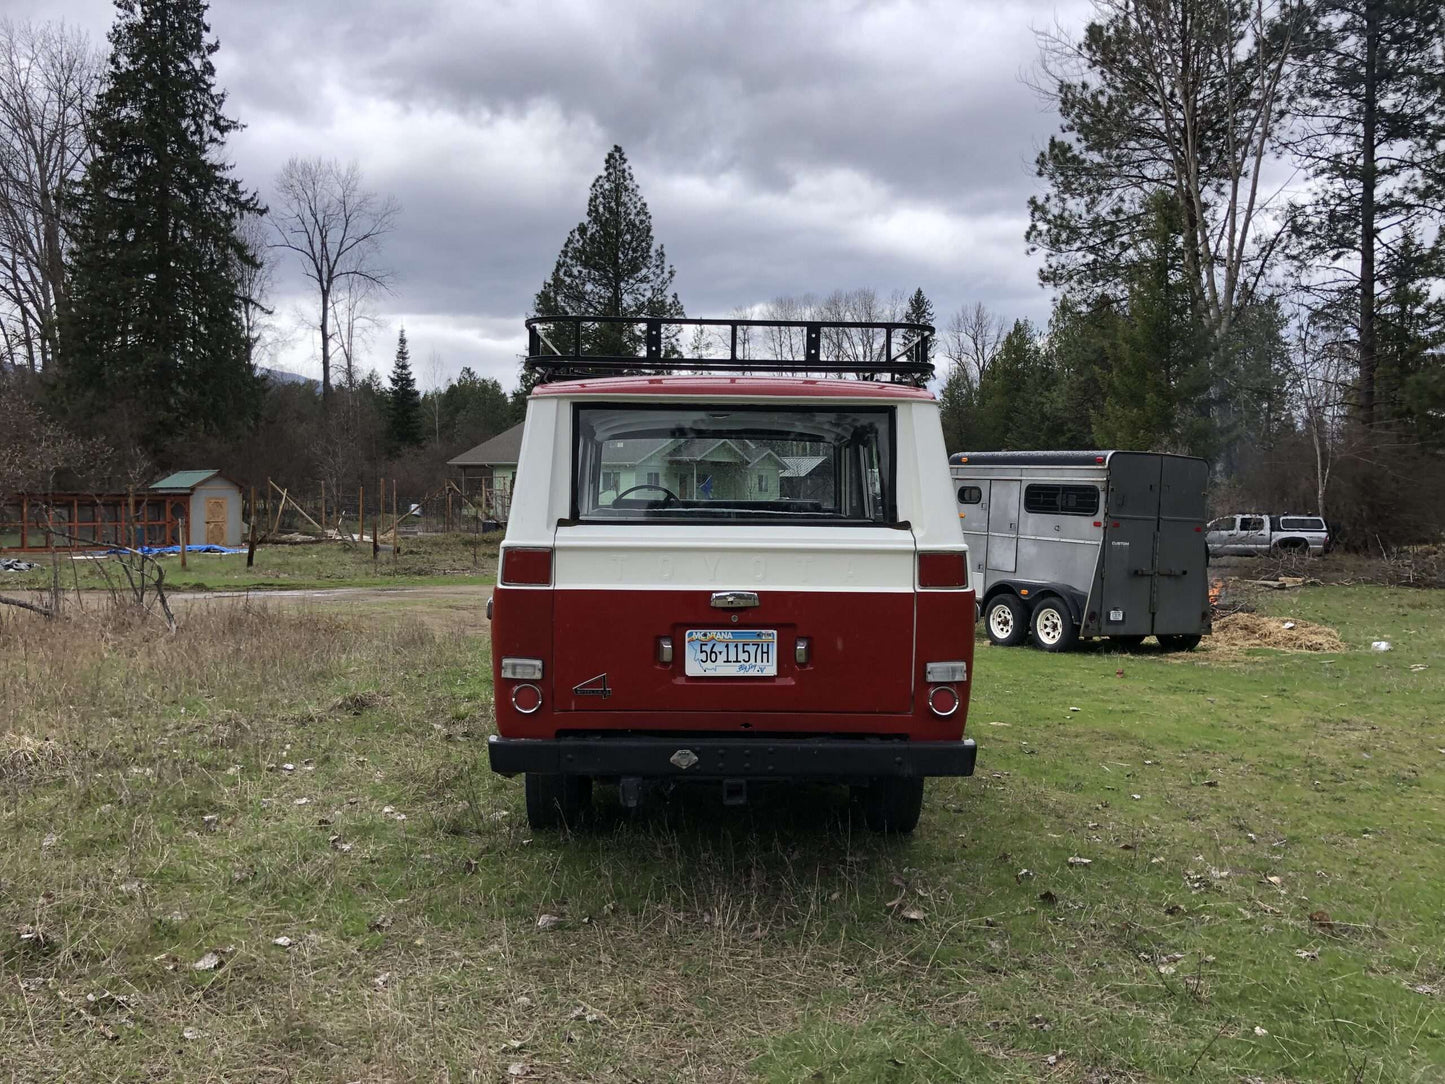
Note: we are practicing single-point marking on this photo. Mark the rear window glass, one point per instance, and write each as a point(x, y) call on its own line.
point(970, 495)
point(1061, 500)
point(688, 463)
point(1300, 523)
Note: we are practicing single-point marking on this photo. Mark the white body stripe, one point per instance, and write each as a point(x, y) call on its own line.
point(743, 556)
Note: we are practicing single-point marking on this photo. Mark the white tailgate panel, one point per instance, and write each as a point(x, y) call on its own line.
point(672, 557)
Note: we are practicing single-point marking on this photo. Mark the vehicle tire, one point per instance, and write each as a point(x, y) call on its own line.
point(892, 804)
point(1180, 641)
point(1054, 629)
point(555, 801)
point(1128, 643)
point(1006, 621)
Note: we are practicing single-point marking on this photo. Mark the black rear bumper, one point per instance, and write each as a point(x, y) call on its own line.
point(838, 759)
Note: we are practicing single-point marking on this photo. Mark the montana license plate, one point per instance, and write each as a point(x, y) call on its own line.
point(732, 653)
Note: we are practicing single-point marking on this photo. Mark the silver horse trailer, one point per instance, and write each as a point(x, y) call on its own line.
point(1086, 544)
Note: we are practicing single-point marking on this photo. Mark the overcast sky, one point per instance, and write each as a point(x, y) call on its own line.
point(783, 148)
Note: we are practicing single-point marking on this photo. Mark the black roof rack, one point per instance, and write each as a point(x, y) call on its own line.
point(569, 347)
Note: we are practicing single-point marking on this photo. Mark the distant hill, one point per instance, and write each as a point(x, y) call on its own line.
point(281, 376)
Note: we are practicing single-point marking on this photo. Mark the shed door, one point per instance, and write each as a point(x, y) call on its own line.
point(1003, 526)
point(215, 521)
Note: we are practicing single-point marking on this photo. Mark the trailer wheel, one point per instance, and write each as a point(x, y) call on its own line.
point(891, 804)
point(1054, 629)
point(1006, 621)
point(555, 801)
point(1180, 641)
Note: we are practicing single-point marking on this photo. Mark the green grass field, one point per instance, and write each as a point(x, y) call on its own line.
point(1263, 899)
point(424, 560)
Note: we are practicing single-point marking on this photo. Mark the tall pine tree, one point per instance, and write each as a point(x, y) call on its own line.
point(1157, 391)
point(1371, 99)
point(154, 342)
point(920, 311)
point(609, 266)
point(403, 402)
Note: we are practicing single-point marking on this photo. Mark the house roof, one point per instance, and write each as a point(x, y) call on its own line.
point(504, 449)
point(186, 480)
point(800, 466)
point(633, 450)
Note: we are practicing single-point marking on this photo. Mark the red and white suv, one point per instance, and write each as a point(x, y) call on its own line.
point(732, 578)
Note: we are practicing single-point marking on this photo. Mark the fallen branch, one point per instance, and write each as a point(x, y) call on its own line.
point(43, 611)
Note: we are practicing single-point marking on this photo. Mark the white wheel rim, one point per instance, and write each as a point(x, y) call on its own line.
point(1049, 626)
point(1001, 622)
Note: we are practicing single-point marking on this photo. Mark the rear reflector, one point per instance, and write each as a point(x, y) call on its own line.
point(938, 673)
point(942, 570)
point(514, 669)
point(942, 700)
point(531, 567)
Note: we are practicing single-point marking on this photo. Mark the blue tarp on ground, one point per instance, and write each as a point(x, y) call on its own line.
point(156, 551)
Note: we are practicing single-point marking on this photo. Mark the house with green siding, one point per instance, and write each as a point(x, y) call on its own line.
point(692, 468)
point(696, 468)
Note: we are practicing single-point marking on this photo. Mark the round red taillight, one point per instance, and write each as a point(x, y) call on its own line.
point(526, 698)
point(942, 700)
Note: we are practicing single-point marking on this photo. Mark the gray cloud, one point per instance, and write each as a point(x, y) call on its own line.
point(782, 147)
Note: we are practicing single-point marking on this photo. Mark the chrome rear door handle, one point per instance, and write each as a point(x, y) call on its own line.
point(734, 600)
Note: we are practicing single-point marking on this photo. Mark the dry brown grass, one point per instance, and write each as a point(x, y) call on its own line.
point(696, 943)
point(22, 755)
point(1234, 633)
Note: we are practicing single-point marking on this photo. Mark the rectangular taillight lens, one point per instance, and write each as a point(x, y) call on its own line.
point(942, 570)
point(530, 567)
point(514, 669)
point(944, 673)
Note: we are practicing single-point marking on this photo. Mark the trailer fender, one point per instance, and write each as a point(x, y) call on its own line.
point(1031, 592)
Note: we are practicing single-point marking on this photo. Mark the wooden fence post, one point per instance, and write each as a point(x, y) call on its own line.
point(251, 546)
point(376, 523)
point(395, 522)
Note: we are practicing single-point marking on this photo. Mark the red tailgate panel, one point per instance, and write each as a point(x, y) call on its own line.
point(861, 651)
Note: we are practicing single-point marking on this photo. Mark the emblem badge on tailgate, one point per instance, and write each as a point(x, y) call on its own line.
point(594, 686)
point(684, 758)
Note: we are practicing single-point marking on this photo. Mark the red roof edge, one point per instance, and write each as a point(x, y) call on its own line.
point(735, 387)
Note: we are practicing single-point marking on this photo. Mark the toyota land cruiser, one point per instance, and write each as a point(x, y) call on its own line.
point(734, 577)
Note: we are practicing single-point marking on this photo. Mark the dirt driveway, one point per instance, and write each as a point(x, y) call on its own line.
point(447, 609)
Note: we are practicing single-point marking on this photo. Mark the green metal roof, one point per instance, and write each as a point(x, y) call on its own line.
point(185, 479)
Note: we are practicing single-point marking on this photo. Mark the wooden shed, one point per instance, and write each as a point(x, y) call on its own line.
point(214, 509)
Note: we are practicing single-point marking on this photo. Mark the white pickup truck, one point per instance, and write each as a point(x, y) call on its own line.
point(1254, 534)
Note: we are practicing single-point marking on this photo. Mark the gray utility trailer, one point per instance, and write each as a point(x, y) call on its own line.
point(1067, 545)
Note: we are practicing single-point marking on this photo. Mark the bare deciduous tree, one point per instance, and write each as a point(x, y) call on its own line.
point(354, 320)
point(859, 346)
point(1320, 378)
point(254, 280)
point(48, 77)
point(973, 338)
point(335, 226)
point(1181, 96)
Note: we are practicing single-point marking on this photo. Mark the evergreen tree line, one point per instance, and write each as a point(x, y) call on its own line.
point(133, 307)
point(1298, 342)
point(1295, 342)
